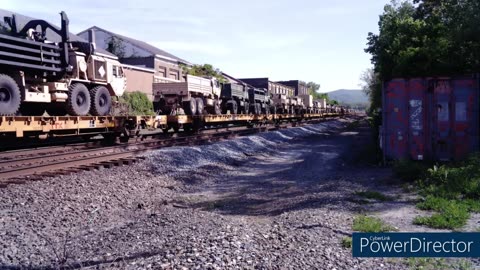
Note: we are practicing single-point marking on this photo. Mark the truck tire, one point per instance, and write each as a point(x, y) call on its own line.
point(216, 107)
point(200, 106)
point(233, 107)
point(273, 110)
point(190, 107)
point(10, 96)
point(101, 101)
point(258, 108)
point(78, 101)
point(159, 106)
point(246, 108)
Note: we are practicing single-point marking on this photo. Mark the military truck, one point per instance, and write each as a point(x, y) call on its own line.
point(234, 99)
point(195, 96)
point(281, 103)
point(307, 101)
point(38, 74)
point(296, 105)
point(260, 102)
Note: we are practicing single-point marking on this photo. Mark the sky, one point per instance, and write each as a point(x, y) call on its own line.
point(316, 40)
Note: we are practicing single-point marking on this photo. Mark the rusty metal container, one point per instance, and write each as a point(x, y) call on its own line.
point(430, 118)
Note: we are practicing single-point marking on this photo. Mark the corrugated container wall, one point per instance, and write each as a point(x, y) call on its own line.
point(435, 118)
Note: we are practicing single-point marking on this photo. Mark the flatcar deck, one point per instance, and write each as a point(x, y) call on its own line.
point(22, 126)
point(56, 126)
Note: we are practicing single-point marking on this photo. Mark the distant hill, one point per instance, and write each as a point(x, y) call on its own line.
point(345, 96)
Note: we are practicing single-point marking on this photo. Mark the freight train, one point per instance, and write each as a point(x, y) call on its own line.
point(76, 86)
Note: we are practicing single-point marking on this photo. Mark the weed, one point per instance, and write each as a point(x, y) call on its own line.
point(464, 264)
point(347, 242)
point(364, 223)
point(433, 203)
point(454, 215)
point(373, 195)
point(451, 190)
point(427, 263)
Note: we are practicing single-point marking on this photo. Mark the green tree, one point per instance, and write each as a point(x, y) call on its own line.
point(423, 38)
point(205, 70)
point(372, 87)
point(333, 102)
point(313, 89)
point(115, 46)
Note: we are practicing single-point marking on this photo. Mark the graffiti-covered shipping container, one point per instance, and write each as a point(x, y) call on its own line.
point(432, 118)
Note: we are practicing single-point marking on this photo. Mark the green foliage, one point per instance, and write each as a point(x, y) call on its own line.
point(333, 102)
point(455, 180)
point(205, 70)
point(138, 103)
point(428, 264)
point(347, 242)
point(453, 215)
point(373, 195)
point(115, 46)
point(313, 89)
point(423, 38)
point(370, 224)
point(453, 191)
point(372, 86)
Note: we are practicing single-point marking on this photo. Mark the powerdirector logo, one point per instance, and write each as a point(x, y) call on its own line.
point(416, 245)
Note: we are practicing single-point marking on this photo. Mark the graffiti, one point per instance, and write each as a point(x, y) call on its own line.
point(416, 115)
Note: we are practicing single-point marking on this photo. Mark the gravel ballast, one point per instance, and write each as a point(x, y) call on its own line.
point(276, 200)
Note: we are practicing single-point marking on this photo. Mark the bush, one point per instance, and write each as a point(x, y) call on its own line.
point(454, 215)
point(453, 181)
point(453, 191)
point(138, 103)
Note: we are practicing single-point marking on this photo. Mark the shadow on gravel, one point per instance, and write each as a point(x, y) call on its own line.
point(316, 172)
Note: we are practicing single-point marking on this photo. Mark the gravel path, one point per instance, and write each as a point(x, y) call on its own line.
point(278, 200)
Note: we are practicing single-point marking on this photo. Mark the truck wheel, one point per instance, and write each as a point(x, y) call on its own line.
point(159, 106)
point(101, 101)
point(200, 106)
point(78, 102)
point(233, 107)
point(246, 108)
point(273, 110)
point(190, 107)
point(216, 107)
point(254, 108)
point(10, 96)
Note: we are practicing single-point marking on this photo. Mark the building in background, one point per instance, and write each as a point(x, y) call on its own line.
point(299, 86)
point(139, 79)
point(140, 59)
point(273, 87)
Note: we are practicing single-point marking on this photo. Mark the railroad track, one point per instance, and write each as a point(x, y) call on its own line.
point(21, 166)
